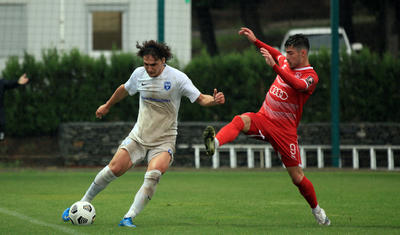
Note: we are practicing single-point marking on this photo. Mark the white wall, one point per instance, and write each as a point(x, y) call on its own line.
point(178, 29)
point(46, 29)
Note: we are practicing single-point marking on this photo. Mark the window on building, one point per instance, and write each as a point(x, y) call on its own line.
point(106, 30)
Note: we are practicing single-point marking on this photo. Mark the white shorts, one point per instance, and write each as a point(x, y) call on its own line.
point(138, 152)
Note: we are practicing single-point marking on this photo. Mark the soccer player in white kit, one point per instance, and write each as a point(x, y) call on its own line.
point(160, 89)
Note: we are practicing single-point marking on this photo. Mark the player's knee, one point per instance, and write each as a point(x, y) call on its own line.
point(153, 175)
point(151, 179)
point(116, 169)
point(296, 179)
point(238, 122)
point(296, 174)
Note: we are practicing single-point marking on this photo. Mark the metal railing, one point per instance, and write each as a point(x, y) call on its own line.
point(265, 151)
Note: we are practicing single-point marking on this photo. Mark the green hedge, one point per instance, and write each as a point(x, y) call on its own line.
point(70, 86)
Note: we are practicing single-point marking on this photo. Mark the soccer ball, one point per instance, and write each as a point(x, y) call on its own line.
point(82, 213)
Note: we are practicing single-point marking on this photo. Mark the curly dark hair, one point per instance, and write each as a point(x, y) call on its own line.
point(298, 41)
point(156, 49)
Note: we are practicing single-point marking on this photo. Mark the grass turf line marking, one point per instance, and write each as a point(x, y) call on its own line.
point(35, 221)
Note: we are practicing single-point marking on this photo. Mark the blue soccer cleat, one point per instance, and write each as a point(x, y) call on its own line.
point(127, 222)
point(65, 215)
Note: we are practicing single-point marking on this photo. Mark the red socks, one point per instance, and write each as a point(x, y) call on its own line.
point(229, 132)
point(306, 189)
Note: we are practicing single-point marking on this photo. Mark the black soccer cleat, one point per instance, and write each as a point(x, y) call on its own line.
point(208, 135)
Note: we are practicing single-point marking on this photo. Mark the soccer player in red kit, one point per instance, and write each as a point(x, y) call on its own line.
point(280, 114)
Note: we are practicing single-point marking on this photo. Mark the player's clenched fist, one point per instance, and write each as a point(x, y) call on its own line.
point(102, 110)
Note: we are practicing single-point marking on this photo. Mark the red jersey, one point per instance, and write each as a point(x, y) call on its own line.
point(285, 99)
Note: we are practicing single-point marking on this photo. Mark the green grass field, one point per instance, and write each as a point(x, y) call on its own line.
point(204, 202)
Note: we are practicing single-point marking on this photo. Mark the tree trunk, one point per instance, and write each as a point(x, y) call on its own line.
point(250, 17)
point(391, 27)
point(346, 18)
point(206, 26)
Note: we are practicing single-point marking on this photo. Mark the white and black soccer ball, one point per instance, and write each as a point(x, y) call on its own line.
point(82, 213)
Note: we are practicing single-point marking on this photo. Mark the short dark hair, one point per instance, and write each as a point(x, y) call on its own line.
point(298, 41)
point(156, 49)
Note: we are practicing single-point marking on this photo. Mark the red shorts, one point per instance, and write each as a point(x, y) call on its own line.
point(282, 140)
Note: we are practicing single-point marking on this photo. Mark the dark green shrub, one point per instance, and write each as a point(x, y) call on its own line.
point(70, 87)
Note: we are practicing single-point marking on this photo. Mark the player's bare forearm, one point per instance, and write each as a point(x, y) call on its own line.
point(268, 57)
point(208, 100)
point(119, 94)
point(248, 33)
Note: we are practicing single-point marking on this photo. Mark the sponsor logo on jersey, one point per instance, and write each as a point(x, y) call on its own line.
point(278, 92)
point(167, 85)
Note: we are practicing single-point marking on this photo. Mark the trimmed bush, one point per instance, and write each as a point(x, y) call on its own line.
point(69, 87)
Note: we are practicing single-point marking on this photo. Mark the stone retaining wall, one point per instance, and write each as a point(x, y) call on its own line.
point(93, 144)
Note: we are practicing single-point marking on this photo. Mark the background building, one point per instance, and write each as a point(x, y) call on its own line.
point(93, 26)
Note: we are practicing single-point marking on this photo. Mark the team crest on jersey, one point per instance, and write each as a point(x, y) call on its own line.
point(310, 80)
point(297, 75)
point(167, 85)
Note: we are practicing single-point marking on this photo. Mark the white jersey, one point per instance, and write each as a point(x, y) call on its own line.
point(159, 102)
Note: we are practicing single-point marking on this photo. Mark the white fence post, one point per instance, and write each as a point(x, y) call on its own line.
point(267, 154)
point(355, 159)
point(372, 157)
point(250, 158)
point(232, 156)
point(320, 155)
point(390, 159)
point(303, 157)
point(197, 157)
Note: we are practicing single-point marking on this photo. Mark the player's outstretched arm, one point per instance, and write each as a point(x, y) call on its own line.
point(119, 94)
point(208, 100)
point(252, 38)
point(15, 83)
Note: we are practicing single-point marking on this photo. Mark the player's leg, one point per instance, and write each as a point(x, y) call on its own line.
point(119, 164)
point(227, 133)
point(157, 166)
point(287, 145)
point(306, 189)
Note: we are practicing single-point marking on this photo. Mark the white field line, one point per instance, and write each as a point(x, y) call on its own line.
point(38, 222)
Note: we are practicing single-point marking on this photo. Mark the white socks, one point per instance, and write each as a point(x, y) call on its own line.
point(145, 193)
point(317, 209)
point(103, 178)
point(216, 142)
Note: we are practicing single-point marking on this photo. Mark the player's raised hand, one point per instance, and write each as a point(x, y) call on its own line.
point(102, 110)
point(248, 33)
point(268, 58)
point(219, 97)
